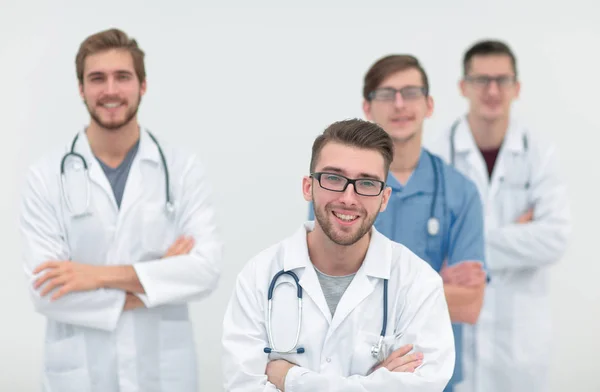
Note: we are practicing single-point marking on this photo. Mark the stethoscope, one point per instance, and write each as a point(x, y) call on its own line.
point(375, 350)
point(169, 204)
point(525, 142)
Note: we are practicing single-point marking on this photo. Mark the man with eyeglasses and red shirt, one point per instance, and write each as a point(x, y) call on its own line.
point(527, 225)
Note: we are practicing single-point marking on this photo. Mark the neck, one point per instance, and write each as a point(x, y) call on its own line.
point(333, 259)
point(488, 134)
point(406, 158)
point(111, 145)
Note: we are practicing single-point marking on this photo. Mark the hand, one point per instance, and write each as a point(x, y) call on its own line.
point(400, 361)
point(466, 273)
point(183, 245)
point(69, 276)
point(526, 217)
point(132, 301)
point(276, 372)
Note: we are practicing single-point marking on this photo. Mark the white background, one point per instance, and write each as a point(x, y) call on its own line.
point(249, 86)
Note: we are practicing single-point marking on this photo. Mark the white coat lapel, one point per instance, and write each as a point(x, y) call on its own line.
point(469, 160)
point(296, 257)
point(96, 173)
point(135, 185)
point(511, 148)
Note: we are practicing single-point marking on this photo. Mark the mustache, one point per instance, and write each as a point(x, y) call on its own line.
point(359, 211)
point(111, 100)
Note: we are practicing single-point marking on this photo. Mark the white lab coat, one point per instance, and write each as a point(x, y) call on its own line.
point(91, 345)
point(510, 347)
point(338, 351)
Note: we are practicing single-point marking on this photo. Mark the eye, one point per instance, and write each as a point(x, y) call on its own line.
point(333, 178)
point(368, 183)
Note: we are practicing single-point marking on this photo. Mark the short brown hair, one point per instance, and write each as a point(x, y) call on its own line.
point(389, 65)
point(487, 48)
point(355, 133)
point(106, 40)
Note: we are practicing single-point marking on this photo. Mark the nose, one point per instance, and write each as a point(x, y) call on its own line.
point(493, 88)
point(348, 197)
point(111, 86)
point(398, 100)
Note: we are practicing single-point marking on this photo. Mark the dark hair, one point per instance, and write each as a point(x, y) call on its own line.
point(106, 40)
point(355, 133)
point(488, 48)
point(389, 65)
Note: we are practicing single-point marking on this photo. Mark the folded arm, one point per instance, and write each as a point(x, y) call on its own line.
point(43, 240)
point(424, 321)
point(543, 240)
point(464, 303)
point(189, 276)
point(464, 275)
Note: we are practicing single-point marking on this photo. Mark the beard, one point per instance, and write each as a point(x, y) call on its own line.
point(342, 236)
point(115, 125)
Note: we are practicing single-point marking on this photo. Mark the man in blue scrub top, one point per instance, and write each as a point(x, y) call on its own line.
point(434, 210)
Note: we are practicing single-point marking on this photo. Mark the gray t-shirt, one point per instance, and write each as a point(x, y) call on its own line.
point(333, 288)
point(117, 177)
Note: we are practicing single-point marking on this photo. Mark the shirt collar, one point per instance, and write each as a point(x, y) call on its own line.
point(421, 180)
point(377, 262)
point(147, 150)
point(464, 141)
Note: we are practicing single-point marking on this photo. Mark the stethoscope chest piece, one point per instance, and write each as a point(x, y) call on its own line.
point(433, 226)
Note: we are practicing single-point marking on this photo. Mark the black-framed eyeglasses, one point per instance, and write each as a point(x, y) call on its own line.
point(408, 93)
point(338, 183)
point(484, 81)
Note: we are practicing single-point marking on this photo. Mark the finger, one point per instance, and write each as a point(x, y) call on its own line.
point(47, 276)
point(65, 289)
point(181, 246)
point(405, 360)
point(408, 368)
point(397, 353)
point(185, 247)
point(46, 265)
point(189, 246)
point(53, 284)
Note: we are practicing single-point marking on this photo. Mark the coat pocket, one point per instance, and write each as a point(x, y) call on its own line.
point(66, 366)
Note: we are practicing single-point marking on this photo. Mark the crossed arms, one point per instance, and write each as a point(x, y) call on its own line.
point(94, 296)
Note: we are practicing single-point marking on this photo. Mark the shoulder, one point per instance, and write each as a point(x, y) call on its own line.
point(456, 183)
point(183, 163)
point(439, 142)
point(48, 164)
point(539, 146)
point(410, 269)
point(263, 263)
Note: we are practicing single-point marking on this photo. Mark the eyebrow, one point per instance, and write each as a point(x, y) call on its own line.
point(101, 73)
point(343, 172)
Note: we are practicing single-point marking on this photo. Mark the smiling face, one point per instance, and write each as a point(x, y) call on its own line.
point(400, 114)
point(490, 86)
point(345, 217)
point(110, 89)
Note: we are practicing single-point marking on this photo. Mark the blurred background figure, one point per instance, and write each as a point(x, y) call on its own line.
point(527, 225)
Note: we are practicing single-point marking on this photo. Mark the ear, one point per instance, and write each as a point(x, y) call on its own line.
point(367, 110)
point(387, 192)
point(143, 86)
point(430, 106)
point(517, 89)
point(463, 87)
point(81, 91)
point(307, 188)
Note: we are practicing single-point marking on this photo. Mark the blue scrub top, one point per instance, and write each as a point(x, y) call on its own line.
point(458, 209)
